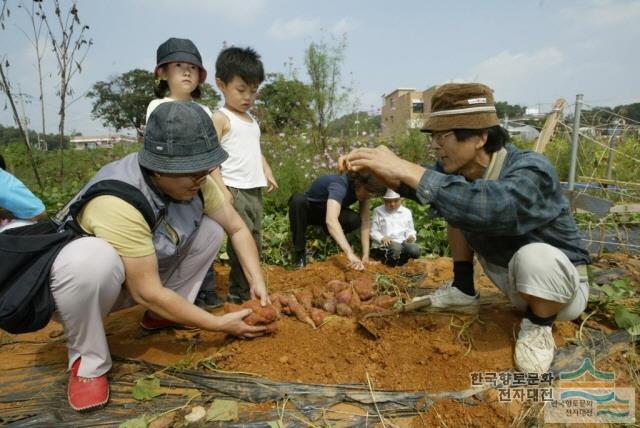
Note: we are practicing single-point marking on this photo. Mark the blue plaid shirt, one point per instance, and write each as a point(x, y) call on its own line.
point(525, 205)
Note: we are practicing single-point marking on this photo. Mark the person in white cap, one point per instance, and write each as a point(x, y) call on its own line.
point(392, 231)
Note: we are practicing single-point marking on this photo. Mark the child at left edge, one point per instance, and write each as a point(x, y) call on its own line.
point(239, 73)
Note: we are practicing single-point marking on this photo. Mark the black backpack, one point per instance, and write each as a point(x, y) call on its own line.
point(27, 253)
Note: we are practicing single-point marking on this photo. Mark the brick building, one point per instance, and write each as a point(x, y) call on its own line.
point(404, 109)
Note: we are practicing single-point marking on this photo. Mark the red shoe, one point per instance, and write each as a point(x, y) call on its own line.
point(86, 393)
point(149, 323)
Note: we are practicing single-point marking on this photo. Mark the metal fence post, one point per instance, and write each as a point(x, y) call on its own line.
point(574, 142)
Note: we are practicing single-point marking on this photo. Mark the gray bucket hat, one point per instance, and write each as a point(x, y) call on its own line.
point(179, 50)
point(180, 138)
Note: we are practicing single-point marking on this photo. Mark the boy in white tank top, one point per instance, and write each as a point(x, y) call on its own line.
point(239, 72)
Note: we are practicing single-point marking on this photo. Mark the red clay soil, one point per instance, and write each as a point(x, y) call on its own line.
point(423, 352)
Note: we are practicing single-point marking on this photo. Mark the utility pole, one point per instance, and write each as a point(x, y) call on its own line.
point(574, 142)
point(24, 116)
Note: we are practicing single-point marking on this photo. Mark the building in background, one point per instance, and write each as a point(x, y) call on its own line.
point(83, 142)
point(404, 109)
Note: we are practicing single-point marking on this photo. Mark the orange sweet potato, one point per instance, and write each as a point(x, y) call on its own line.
point(344, 296)
point(301, 314)
point(305, 297)
point(364, 288)
point(384, 301)
point(336, 285)
point(344, 310)
point(318, 316)
point(259, 316)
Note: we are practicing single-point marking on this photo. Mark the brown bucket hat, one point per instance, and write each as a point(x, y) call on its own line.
point(461, 106)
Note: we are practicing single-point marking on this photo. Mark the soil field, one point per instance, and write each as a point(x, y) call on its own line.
point(413, 352)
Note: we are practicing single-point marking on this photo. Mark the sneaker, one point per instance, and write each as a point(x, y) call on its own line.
point(86, 393)
point(150, 323)
point(208, 300)
point(534, 348)
point(300, 260)
point(447, 296)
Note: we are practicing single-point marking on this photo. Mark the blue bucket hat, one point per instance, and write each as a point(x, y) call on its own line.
point(180, 138)
point(179, 50)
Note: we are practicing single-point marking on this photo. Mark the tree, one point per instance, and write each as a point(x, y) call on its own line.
point(504, 109)
point(323, 62)
point(122, 101)
point(70, 48)
point(208, 96)
point(353, 124)
point(284, 105)
point(39, 43)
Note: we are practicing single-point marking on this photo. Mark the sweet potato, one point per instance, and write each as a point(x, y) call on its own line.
point(384, 301)
point(364, 288)
point(259, 316)
point(305, 297)
point(354, 303)
point(329, 305)
point(318, 316)
point(344, 296)
point(336, 285)
point(344, 310)
point(368, 308)
point(301, 314)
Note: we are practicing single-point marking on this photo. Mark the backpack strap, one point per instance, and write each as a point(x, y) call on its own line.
point(495, 165)
point(120, 189)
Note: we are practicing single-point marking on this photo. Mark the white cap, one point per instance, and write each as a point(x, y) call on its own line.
point(391, 195)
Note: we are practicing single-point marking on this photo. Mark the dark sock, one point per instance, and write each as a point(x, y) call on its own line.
point(539, 320)
point(463, 277)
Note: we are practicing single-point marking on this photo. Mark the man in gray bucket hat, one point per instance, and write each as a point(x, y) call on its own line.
point(152, 224)
point(503, 205)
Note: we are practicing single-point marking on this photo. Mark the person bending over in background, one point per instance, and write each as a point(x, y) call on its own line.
point(326, 203)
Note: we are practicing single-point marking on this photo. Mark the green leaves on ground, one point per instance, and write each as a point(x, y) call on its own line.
point(627, 320)
point(139, 422)
point(620, 303)
point(222, 410)
point(146, 388)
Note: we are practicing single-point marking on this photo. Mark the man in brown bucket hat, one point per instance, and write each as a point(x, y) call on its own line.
point(504, 205)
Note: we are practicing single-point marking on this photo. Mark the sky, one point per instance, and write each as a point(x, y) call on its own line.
point(531, 52)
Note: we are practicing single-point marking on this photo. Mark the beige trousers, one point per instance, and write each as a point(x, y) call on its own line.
point(87, 283)
point(543, 271)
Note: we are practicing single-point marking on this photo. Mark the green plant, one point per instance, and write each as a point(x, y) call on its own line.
point(619, 303)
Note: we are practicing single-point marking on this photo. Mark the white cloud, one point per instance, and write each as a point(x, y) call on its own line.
point(604, 13)
point(300, 27)
point(512, 75)
point(341, 27)
point(222, 10)
point(293, 28)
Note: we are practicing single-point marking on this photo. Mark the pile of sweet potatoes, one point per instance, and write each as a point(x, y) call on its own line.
point(312, 305)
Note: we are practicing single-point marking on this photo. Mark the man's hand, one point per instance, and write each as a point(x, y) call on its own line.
point(411, 239)
point(232, 323)
point(386, 241)
point(259, 291)
point(355, 262)
point(384, 164)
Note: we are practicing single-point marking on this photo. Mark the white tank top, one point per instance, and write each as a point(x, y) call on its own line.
point(243, 168)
